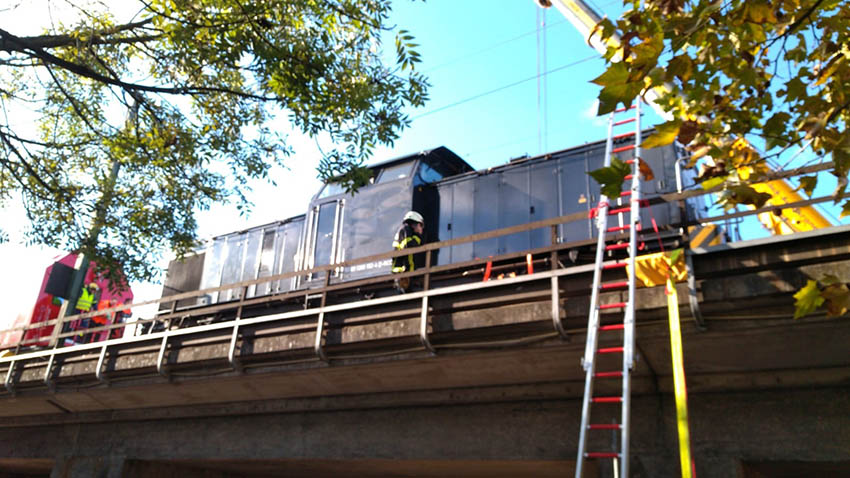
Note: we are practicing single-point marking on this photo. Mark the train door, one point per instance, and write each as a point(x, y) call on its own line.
point(486, 214)
point(265, 267)
point(544, 196)
point(286, 245)
point(463, 219)
point(576, 195)
point(250, 264)
point(514, 208)
point(323, 237)
point(231, 270)
point(211, 276)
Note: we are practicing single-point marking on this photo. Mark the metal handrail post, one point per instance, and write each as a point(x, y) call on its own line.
point(231, 352)
point(10, 386)
point(423, 316)
point(320, 325)
point(160, 369)
point(98, 373)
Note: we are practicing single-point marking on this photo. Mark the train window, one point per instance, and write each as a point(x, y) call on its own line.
point(331, 189)
point(399, 171)
point(426, 174)
point(324, 234)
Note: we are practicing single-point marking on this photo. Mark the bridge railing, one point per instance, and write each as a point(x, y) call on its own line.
point(326, 271)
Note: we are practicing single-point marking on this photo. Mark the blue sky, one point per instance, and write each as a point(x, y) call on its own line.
point(474, 47)
point(477, 54)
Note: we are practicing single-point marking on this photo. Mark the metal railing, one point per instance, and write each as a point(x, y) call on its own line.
point(54, 349)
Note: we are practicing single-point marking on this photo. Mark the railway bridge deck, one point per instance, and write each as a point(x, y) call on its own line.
point(485, 383)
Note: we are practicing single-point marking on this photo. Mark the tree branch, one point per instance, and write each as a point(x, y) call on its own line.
point(794, 26)
point(30, 170)
point(87, 72)
point(9, 42)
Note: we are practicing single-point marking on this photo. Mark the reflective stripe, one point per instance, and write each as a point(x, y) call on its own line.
point(403, 244)
point(416, 240)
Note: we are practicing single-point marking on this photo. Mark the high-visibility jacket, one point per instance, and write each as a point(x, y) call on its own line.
point(405, 238)
point(85, 301)
point(101, 319)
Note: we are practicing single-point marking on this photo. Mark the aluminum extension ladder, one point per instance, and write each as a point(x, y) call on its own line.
point(630, 227)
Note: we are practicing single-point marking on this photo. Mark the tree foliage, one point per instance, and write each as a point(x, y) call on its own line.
point(142, 121)
point(737, 72)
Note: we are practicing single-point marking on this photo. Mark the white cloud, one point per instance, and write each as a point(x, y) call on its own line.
point(590, 113)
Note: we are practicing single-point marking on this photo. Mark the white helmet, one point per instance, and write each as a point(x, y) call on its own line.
point(413, 216)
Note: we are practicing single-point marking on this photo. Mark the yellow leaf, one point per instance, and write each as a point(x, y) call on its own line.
point(665, 134)
point(827, 71)
point(808, 299)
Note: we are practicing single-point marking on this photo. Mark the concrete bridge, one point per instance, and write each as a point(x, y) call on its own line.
point(360, 393)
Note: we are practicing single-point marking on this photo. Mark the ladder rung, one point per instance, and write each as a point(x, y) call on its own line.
point(615, 305)
point(618, 228)
point(606, 399)
point(624, 135)
point(615, 265)
point(610, 350)
point(614, 247)
point(616, 373)
point(612, 327)
point(625, 193)
point(625, 109)
point(622, 148)
point(601, 454)
point(629, 161)
point(620, 210)
point(629, 120)
point(614, 285)
point(604, 426)
point(628, 176)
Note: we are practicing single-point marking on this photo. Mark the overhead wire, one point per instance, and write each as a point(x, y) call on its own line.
point(491, 47)
point(538, 12)
point(510, 85)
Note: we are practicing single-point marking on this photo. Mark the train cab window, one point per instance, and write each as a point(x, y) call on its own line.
point(398, 171)
point(426, 174)
point(331, 189)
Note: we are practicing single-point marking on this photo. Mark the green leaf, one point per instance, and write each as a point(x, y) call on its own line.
point(829, 279)
point(681, 67)
point(743, 194)
point(807, 184)
point(665, 134)
point(674, 255)
point(616, 88)
point(774, 129)
point(611, 179)
point(808, 300)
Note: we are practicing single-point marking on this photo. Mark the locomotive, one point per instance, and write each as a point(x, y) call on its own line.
point(454, 199)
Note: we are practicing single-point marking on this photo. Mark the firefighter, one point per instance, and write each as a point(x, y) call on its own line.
point(84, 304)
point(409, 235)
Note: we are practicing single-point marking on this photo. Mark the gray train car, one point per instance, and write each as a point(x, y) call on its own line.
point(338, 226)
point(261, 251)
point(455, 202)
point(547, 186)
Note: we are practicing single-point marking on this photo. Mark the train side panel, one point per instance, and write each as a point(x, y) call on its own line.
point(241, 256)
